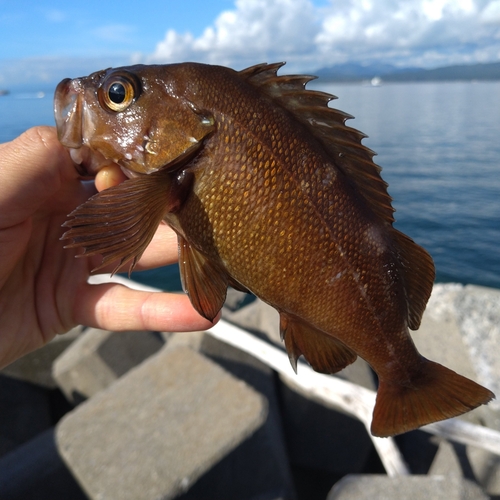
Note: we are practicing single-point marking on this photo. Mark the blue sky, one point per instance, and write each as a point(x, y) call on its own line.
point(48, 40)
point(93, 27)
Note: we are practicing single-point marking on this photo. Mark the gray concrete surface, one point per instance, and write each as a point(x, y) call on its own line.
point(153, 433)
point(36, 367)
point(98, 358)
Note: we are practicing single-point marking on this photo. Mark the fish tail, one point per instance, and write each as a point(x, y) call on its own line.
point(434, 393)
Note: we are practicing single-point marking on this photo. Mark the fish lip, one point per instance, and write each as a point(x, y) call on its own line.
point(68, 112)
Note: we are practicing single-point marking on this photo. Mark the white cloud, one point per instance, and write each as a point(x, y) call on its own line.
point(256, 30)
point(491, 13)
point(406, 32)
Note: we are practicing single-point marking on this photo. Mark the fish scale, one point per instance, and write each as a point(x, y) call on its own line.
point(270, 192)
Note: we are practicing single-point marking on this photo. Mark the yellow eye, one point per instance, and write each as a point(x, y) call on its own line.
point(119, 91)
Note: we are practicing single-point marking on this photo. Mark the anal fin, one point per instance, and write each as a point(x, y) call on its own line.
point(203, 281)
point(323, 352)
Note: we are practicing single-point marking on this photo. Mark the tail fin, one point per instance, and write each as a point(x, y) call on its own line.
point(436, 393)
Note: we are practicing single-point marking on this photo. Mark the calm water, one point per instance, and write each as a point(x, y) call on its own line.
point(439, 146)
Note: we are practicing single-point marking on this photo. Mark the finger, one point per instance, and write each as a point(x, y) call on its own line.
point(108, 176)
point(115, 307)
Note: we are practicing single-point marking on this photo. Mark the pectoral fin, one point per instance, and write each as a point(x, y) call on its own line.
point(323, 352)
point(119, 222)
point(204, 282)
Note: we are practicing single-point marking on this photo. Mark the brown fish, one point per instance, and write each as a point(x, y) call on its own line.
point(270, 192)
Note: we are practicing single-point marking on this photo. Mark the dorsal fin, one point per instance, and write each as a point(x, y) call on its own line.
point(418, 273)
point(343, 143)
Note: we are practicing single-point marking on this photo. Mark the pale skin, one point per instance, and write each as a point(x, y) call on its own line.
point(43, 287)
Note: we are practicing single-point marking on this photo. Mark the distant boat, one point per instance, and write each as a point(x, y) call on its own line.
point(30, 95)
point(376, 81)
point(3, 92)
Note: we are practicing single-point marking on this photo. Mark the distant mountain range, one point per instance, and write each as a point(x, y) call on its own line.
point(352, 72)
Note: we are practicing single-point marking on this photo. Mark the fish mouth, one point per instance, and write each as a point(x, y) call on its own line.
point(89, 162)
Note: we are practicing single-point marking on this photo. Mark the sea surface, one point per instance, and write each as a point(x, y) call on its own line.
point(438, 144)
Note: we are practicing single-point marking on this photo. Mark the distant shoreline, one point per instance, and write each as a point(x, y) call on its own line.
point(366, 82)
point(392, 79)
point(356, 73)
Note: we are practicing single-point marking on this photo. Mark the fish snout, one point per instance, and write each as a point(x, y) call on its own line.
point(68, 112)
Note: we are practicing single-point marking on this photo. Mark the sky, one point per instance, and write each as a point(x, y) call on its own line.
point(49, 40)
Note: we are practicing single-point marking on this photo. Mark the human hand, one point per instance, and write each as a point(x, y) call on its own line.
point(43, 288)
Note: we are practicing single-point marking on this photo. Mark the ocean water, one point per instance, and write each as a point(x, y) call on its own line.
point(438, 145)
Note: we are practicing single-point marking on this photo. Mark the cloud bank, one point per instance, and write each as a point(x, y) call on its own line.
point(425, 33)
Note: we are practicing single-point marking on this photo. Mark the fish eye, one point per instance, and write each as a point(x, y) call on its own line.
point(119, 91)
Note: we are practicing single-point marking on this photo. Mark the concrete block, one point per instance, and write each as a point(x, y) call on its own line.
point(36, 367)
point(451, 461)
point(257, 317)
point(321, 438)
point(446, 462)
point(312, 431)
point(192, 340)
point(441, 471)
point(439, 337)
point(460, 330)
point(486, 467)
point(25, 411)
point(271, 472)
point(35, 471)
point(159, 428)
point(98, 358)
point(418, 449)
point(369, 487)
point(478, 311)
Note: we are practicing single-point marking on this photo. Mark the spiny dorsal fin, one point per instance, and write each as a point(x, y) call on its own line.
point(343, 143)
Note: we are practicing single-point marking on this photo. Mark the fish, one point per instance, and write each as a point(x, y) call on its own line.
point(270, 192)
